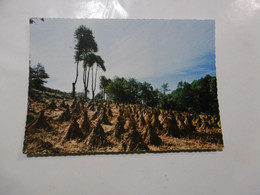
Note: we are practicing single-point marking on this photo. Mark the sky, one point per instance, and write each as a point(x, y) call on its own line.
point(155, 51)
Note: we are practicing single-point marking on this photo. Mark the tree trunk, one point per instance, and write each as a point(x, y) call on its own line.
point(84, 81)
point(95, 86)
point(74, 84)
point(73, 90)
point(87, 80)
point(93, 95)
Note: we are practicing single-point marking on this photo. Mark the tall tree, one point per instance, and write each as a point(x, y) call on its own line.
point(99, 64)
point(89, 61)
point(85, 45)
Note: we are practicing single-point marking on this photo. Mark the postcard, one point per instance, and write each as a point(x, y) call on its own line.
point(122, 86)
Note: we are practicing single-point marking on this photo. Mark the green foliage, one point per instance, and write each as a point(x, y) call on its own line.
point(85, 43)
point(117, 90)
point(100, 63)
point(99, 96)
point(104, 82)
point(80, 95)
point(147, 95)
point(57, 92)
point(198, 96)
point(165, 88)
point(89, 60)
point(130, 91)
point(37, 77)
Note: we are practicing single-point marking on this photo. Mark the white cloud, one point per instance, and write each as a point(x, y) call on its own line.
point(155, 49)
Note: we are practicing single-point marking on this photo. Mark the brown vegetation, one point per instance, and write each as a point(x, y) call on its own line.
point(68, 126)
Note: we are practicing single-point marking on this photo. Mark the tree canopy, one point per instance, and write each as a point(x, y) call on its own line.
point(198, 96)
point(37, 76)
point(129, 91)
point(85, 43)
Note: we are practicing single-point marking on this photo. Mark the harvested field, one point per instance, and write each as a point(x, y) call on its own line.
point(59, 126)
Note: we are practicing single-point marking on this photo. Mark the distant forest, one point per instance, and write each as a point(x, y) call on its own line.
point(198, 96)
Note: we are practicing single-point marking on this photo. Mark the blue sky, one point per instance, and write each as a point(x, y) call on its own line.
point(156, 51)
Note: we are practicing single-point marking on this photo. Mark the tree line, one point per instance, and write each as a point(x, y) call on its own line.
point(198, 96)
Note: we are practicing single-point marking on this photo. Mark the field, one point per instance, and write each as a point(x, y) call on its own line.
point(66, 126)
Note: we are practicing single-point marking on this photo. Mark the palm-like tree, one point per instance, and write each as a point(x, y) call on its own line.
point(77, 58)
point(99, 64)
point(85, 45)
point(88, 62)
